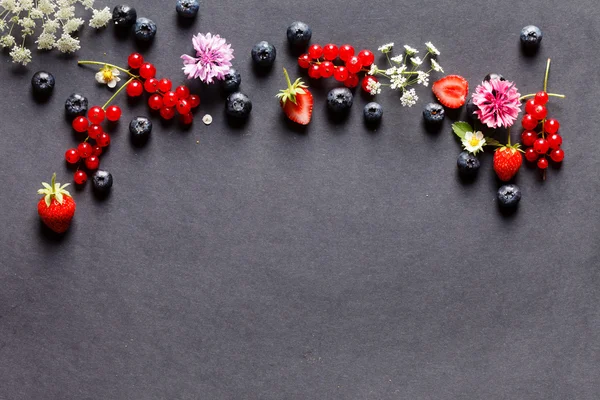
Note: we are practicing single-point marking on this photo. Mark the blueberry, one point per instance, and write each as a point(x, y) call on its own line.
point(263, 54)
point(231, 81)
point(493, 75)
point(144, 29)
point(509, 196)
point(76, 105)
point(187, 8)
point(43, 83)
point(373, 113)
point(339, 100)
point(124, 16)
point(299, 34)
point(531, 36)
point(468, 164)
point(434, 113)
point(102, 181)
point(238, 105)
point(471, 108)
point(140, 129)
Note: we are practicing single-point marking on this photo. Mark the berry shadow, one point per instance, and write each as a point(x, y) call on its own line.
point(39, 98)
point(143, 45)
point(337, 118)
point(508, 213)
point(296, 51)
point(432, 128)
point(122, 34)
point(372, 126)
point(100, 195)
point(237, 124)
point(48, 236)
point(294, 127)
point(529, 51)
point(464, 179)
point(185, 23)
point(260, 71)
point(139, 142)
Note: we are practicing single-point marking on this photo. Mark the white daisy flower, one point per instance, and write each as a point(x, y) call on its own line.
point(431, 48)
point(108, 76)
point(473, 142)
point(410, 50)
point(416, 61)
point(386, 48)
point(435, 66)
point(409, 98)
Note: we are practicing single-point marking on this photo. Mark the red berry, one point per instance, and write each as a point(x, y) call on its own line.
point(366, 81)
point(155, 102)
point(96, 115)
point(541, 98)
point(187, 119)
point(182, 92)
point(147, 71)
point(315, 51)
point(330, 51)
point(326, 69)
point(84, 149)
point(346, 51)
point(353, 64)
point(304, 61)
point(97, 151)
point(151, 85)
point(72, 156)
point(528, 122)
point(366, 58)
point(340, 74)
point(134, 88)
point(80, 177)
point(351, 81)
point(314, 71)
point(170, 99)
point(113, 113)
point(164, 85)
point(103, 140)
point(167, 113)
point(539, 112)
point(542, 163)
point(528, 137)
point(135, 60)
point(194, 100)
point(92, 162)
point(554, 140)
point(541, 146)
point(529, 106)
point(184, 107)
point(94, 131)
point(557, 155)
point(551, 126)
point(80, 124)
point(531, 155)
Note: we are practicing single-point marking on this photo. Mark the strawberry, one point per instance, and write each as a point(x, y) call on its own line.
point(451, 90)
point(296, 101)
point(57, 207)
point(507, 161)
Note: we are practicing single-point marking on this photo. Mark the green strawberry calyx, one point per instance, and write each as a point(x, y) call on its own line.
point(512, 147)
point(294, 89)
point(54, 190)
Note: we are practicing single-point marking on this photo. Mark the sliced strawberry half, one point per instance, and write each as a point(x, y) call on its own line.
point(451, 90)
point(296, 101)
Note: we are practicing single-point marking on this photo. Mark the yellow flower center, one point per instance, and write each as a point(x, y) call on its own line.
point(107, 75)
point(474, 141)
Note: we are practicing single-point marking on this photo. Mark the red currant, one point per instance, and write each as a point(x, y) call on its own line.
point(330, 52)
point(366, 58)
point(528, 137)
point(96, 115)
point(167, 113)
point(135, 60)
point(326, 69)
point(541, 146)
point(94, 131)
point(72, 156)
point(97, 151)
point(366, 81)
point(541, 98)
point(346, 51)
point(182, 92)
point(92, 163)
point(554, 140)
point(80, 124)
point(113, 113)
point(304, 61)
point(103, 140)
point(539, 112)
point(135, 88)
point(170, 99)
point(528, 122)
point(531, 155)
point(164, 85)
point(194, 100)
point(551, 126)
point(529, 106)
point(155, 102)
point(147, 70)
point(542, 163)
point(184, 107)
point(340, 74)
point(187, 119)
point(351, 81)
point(151, 85)
point(315, 51)
point(80, 177)
point(314, 71)
point(557, 155)
point(353, 64)
point(84, 149)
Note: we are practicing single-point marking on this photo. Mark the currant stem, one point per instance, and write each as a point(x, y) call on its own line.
point(85, 62)
point(562, 96)
point(546, 76)
point(117, 92)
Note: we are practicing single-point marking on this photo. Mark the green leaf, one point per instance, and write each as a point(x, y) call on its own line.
point(492, 142)
point(461, 128)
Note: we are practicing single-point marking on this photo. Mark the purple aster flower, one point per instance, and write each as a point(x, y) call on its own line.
point(212, 61)
point(497, 102)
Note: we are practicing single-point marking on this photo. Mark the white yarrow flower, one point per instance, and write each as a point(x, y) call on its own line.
point(409, 98)
point(397, 81)
point(88, 4)
point(416, 61)
point(46, 41)
point(100, 18)
point(67, 44)
point(422, 78)
point(435, 66)
point(374, 87)
point(410, 50)
point(391, 71)
point(20, 55)
point(431, 48)
point(397, 59)
point(473, 142)
point(373, 70)
point(386, 48)
point(65, 13)
point(108, 76)
point(72, 25)
point(7, 41)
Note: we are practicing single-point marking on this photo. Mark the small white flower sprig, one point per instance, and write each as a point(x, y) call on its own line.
point(404, 71)
point(56, 18)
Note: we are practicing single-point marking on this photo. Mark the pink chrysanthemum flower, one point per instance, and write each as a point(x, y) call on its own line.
point(497, 102)
point(212, 61)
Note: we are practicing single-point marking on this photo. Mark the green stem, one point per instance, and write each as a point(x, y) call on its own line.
point(546, 76)
point(85, 62)
point(117, 92)
point(562, 96)
point(508, 134)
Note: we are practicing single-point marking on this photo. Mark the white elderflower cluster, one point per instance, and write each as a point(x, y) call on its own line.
point(54, 20)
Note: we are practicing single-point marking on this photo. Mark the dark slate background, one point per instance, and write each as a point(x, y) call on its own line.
point(334, 262)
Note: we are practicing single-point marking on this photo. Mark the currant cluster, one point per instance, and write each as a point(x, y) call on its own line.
point(90, 149)
point(545, 143)
point(162, 98)
point(319, 60)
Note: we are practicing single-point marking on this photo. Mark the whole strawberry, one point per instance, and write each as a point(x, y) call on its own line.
point(296, 101)
point(507, 161)
point(57, 207)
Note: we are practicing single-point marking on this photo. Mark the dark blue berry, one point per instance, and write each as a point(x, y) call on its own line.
point(42, 83)
point(238, 105)
point(434, 113)
point(263, 54)
point(102, 181)
point(471, 108)
point(468, 164)
point(124, 16)
point(144, 29)
point(299, 34)
point(509, 196)
point(187, 8)
point(76, 105)
point(231, 81)
point(373, 113)
point(140, 129)
point(531, 36)
point(339, 100)
point(493, 75)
